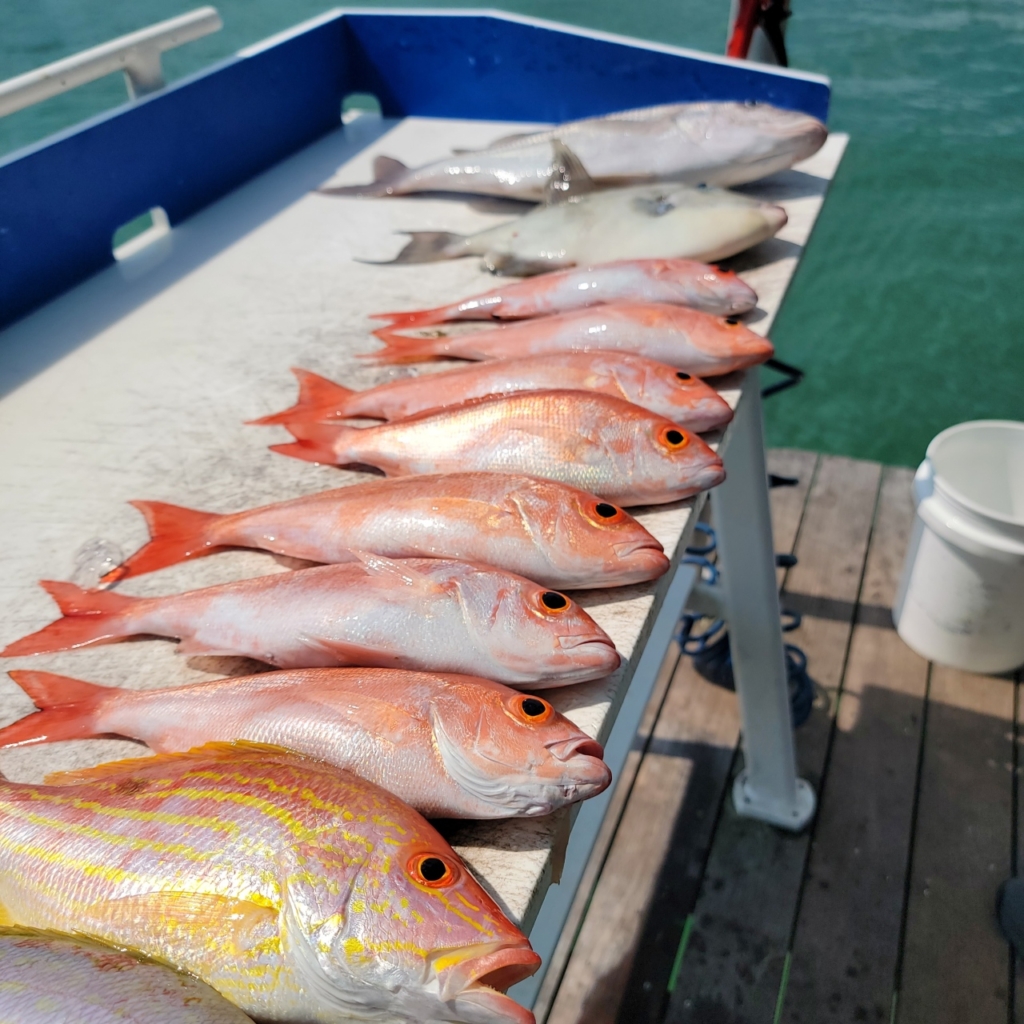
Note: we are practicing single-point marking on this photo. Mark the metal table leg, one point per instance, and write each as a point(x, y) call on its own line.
point(768, 787)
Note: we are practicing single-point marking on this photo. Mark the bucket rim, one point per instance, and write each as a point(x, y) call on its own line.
point(953, 493)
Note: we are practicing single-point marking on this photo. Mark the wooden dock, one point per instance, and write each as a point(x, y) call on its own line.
point(883, 909)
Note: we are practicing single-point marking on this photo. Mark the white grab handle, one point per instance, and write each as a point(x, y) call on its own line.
point(136, 54)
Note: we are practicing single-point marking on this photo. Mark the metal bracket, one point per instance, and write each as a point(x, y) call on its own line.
point(768, 788)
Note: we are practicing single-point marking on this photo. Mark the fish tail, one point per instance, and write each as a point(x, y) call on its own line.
point(400, 348)
point(90, 617)
point(317, 442)
point(318, 397)
point(67, 709)
point(413, 318)
point(387, 176)
point(176, 534)
point(429, 247)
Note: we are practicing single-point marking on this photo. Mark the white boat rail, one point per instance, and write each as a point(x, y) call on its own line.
point(136, 54)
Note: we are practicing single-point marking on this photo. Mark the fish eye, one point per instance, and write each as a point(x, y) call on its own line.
point(602, 513)
point(683, 376)
point(553, 601)
point(731, 321)
point(672, 438)
point(429, 869)
point(534, 709)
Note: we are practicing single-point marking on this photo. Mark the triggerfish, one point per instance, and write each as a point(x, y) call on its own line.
point(718, 143)
point(548, 532)
point(674, 394)
point(681, 282)
point(428, 614)
point(298, 891)
point(601, 444)
point(643, 222)
point(49, 978)
point(450, 746)
point(684, 338)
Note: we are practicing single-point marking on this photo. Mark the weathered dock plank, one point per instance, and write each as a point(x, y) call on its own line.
point(846, 941)
point(736, 955)
point(955, 963)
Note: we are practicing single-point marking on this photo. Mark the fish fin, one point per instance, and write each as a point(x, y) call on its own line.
point(217, 750)
point(510, 265)
point(560, 844)
point(388, 568)
point(507, 140)
point(176, 535)
point(190, 645)
point(90, 617)
point(387, 172)
point(400, 348)
point(66, 709)
point(428, 247)
point(246, 924)
point(569, 178)
point(347, 653)
point(318, 442)
point(413, 318)
point(318, 397)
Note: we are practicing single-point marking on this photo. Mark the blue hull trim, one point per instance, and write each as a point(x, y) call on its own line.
point(183, 148)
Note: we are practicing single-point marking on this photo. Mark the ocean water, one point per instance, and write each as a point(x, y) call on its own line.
point(907, 313)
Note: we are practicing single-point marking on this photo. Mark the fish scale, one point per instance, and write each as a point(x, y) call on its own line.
point(276, 879)
point(450, 746)
point(592, 441)
point(50, 977)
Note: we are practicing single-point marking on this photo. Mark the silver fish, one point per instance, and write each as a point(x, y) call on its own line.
point(49, 978)
point(710, 143)
point(642, 222)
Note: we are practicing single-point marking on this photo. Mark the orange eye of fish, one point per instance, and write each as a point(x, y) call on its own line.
point(430, 870)
point(534, 709)
point(605, 512)
point(552, 601)
point(731, 321)
point(682, 375)
point(672, 438)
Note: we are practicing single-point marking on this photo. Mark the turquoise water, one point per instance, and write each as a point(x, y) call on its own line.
point(907, 312)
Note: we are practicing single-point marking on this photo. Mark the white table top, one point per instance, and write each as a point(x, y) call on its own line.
point(165, 357)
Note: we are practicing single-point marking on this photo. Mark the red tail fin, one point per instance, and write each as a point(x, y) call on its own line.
point(90, 617)
point(399, 348)
point(67, 709)
point(414, 317)
point(176, 534)
point(319, 398)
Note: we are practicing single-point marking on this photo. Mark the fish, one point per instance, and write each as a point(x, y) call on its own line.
point(298, 891)
point(674, 394)
point(604, 445)
point(683, 282)
point(425, 614)
point(449, 746)
point(694, 342)
point(715, 143)
point(641, 222)
point(50, 978)
point(553, 534)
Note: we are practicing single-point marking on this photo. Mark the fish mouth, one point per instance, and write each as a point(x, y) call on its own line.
point(598, 645)
point(562, 750)
point(478, 985)
point(775, 217)
point(711, 475)
point(631, 547)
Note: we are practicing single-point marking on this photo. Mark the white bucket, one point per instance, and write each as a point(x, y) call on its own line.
point(961, 596)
